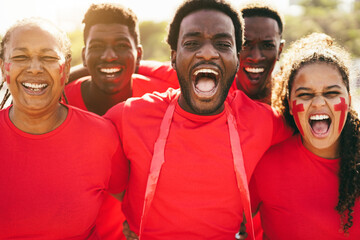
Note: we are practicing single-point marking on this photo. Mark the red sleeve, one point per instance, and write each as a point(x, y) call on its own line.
point(120, 166)
point(254, 196)
point(281, 130)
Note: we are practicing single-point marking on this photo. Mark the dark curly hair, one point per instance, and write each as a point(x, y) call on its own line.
point(262, 9)
point(59, 34)
point(191, 6)
point(108, 13)
point(321, 48)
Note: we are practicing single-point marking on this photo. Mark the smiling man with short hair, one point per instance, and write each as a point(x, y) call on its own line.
point(192, 150)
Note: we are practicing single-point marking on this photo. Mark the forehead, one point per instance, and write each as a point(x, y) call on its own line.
point(261, 27)
point(207, 22)
point(33, 38)
point(318, 76)
point(113, 30)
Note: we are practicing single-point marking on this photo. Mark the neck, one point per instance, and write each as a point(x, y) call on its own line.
point(262, 95)
point(99, 102)
point(38, 122)
point(330, 152)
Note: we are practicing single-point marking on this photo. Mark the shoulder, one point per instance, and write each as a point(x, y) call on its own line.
point(247, 108)
point(93, 122)
point(160, 70)
point(148, 84)
point(77, 82)
point(279, 154)
point(149, 104)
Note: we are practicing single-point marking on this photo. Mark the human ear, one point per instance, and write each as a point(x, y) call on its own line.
point(173, 59)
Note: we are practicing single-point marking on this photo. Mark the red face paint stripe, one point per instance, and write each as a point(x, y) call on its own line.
point(8, 79)
point(343, 107)
point(296, 109)
point(7, 66)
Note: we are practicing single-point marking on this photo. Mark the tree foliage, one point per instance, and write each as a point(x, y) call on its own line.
point(153, 39)
point(326, 16)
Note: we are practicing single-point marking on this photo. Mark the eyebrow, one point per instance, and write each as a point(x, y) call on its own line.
point(116, 39)
point(218, 35)
point(42, 50)
point(308, 89)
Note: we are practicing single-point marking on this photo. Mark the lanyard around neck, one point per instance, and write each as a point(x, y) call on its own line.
point(159, 158)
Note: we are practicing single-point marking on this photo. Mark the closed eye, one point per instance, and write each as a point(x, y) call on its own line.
point(49, 58)
point(331, 94)
point(19, 58)
point(305, 96)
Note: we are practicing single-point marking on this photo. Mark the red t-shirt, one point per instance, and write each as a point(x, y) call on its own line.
point(110, 218)
point(197, 195)
point(52, 184)
point(167, 73)
point(298, 192)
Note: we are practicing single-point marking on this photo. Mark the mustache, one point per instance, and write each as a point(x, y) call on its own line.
point(206, 63)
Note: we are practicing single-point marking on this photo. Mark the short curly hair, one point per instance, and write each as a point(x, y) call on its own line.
point(108, 13)
point(262, 9)
point(321, 48)
point(191, 6)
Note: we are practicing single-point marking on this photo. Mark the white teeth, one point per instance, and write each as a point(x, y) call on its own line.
point(254, 70)
point(34, 85)
point(205, 71)
point(319, 117)
point(110, 70)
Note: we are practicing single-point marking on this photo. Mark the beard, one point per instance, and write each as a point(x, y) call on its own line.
point(186, 88)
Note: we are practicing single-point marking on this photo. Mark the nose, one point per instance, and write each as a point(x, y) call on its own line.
point(35, 66)
point(318, 101)
point(207, 52)
point(255, 54)
point(109, 55)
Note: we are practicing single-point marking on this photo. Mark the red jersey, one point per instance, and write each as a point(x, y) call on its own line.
point(297, 192)
point(53, 184)
point(197, 195)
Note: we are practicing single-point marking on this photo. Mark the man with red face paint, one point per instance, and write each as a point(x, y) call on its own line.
point(183, 184)
point(308, 186)
point(111, 54)
point(51, 188)
point(261, 50)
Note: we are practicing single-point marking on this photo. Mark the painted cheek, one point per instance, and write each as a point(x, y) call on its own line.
point(296, 108)
point(342, 107)
point(7, 67)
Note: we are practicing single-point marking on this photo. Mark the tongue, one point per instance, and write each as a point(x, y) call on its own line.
point(320, 127)
point(254, 76)
point(205, 84)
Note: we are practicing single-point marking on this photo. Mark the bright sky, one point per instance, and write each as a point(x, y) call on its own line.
point(68, 14)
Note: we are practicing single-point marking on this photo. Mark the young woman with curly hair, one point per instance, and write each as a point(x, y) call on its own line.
point(308, 186)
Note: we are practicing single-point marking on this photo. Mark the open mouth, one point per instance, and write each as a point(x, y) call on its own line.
point(34, 88)
point(111, 71)
point(205, 82)
point(254, 73)
point(320, 124)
